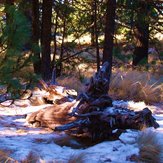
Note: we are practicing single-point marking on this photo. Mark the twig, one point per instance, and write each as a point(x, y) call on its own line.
point(77, 53)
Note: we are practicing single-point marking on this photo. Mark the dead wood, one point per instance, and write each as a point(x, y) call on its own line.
point(100, 125)
point(93, 113)
point(51, 116)
point(51, 94)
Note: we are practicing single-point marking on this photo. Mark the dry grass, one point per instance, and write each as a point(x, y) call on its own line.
point(71, 82)
point(151, 149)
point(5, 158)
point(129, 85)
point(137, 86)
point(78, 158)
point(31, 158)
point(68, 141)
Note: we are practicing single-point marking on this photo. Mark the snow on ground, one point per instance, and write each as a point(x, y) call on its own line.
point(20, 138)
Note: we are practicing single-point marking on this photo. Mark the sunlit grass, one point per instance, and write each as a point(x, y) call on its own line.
point(72, 82)
point(137, 86)
point(151, 149)
point(126, 85)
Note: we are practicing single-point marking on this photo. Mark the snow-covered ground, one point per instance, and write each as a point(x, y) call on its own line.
point(20, 138)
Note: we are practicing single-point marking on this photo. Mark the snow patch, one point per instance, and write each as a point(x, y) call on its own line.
point(21, 138)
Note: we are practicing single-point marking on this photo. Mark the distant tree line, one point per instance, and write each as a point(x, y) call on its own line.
point(34, 24)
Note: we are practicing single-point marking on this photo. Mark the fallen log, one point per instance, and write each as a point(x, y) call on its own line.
point(93, 113)
point(100, 125)
point(51, 116)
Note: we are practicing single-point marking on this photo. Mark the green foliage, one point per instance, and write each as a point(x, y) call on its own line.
point(15, 36)
point(143, 62)
point(117, 54)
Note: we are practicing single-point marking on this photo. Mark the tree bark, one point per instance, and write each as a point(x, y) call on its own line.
point(109, 33)
point(36, 35)
point(93, 23)
point(46, 39)
point(60, 67)
point(55, 38)
point(96, 34)
point(141, 34)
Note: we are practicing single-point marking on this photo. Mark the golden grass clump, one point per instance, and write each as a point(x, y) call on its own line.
point(68, 141)
point(5, 158)
point(77, 158)
point(137, 86)
point(128, 85)
point(71, 82)
point(151, 149)
point(31, 158)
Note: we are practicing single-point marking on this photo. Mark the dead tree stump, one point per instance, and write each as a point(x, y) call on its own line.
point(94, 115)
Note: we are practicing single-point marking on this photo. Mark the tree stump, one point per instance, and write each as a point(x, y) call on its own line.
point(92, 114)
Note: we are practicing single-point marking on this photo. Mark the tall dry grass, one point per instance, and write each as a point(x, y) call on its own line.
point(77, 158)
point(72, 82)
point(137, 86)
point(129, 85)
point(31, 158)
point(150, 147)
point(34, 158)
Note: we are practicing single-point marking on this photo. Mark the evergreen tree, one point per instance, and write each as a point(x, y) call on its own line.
point(15, 35)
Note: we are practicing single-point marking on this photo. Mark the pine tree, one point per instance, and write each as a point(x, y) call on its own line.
point(15, 35)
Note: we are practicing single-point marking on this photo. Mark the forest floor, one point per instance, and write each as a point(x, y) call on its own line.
point(23, 143)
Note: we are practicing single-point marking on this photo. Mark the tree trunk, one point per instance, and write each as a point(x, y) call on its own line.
point(93, 23)
point(46, 39)
point(36, 35)
point(141, 34)
point(141, 49)
point(109, 33)
point(55, 38)
point(62, 49)
point(96, 34)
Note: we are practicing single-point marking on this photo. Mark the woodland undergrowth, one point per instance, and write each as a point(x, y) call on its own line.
point(136, 85)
